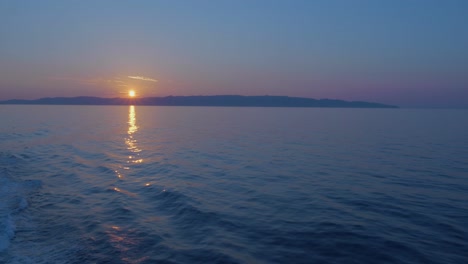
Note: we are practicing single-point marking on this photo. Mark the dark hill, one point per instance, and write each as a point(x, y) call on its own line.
point(214, 100)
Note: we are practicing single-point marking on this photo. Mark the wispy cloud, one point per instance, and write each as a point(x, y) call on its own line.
point(142, 78)
point(90, 81)
point(122, 81)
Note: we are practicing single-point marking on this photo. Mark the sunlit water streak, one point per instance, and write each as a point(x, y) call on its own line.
point(89, 184)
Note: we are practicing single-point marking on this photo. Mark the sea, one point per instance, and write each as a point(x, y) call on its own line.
point(149, 184)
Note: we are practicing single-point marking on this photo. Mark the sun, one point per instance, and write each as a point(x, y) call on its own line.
point(131, 93)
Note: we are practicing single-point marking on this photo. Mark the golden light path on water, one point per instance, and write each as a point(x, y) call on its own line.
point(131, 143)
point(118, 235)
point(130, 140)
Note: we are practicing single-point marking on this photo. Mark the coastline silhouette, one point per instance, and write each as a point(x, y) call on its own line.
point(211, 100)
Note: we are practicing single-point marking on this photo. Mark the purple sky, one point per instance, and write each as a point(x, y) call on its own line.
point(408, 53)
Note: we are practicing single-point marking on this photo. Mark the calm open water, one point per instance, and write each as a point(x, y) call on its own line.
point(125, 184)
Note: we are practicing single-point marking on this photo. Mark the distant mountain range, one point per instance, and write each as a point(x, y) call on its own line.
point(212, 100)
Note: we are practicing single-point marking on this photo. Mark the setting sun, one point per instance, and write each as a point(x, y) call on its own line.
point(131, 93)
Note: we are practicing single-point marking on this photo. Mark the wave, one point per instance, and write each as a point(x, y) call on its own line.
point(14, 193)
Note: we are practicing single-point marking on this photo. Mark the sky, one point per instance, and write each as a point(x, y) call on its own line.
point(411, 53)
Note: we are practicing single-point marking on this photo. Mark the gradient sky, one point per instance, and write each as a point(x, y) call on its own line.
point(413, 53)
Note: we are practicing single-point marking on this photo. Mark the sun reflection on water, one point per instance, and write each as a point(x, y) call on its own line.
point(130, 140)
point(124, 241)
point(131, 143)
point(132, 129)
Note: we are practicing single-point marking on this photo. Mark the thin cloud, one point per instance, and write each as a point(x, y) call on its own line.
point(142, 78)
point(89, 81)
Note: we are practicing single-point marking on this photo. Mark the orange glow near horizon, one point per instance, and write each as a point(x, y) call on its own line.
point(132, 93)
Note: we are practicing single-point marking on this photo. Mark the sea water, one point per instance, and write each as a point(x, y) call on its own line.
point(145, 184)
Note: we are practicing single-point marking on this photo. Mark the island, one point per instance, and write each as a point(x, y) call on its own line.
point(205, 100)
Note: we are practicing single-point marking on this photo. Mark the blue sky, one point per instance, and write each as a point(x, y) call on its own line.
point(411, 53)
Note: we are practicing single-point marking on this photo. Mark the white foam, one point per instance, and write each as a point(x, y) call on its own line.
point(22, 204)
point(8, 191)
point(13, 200)
point(7, 232)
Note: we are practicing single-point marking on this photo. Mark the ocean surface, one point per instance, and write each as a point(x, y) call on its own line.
point(135, 184)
